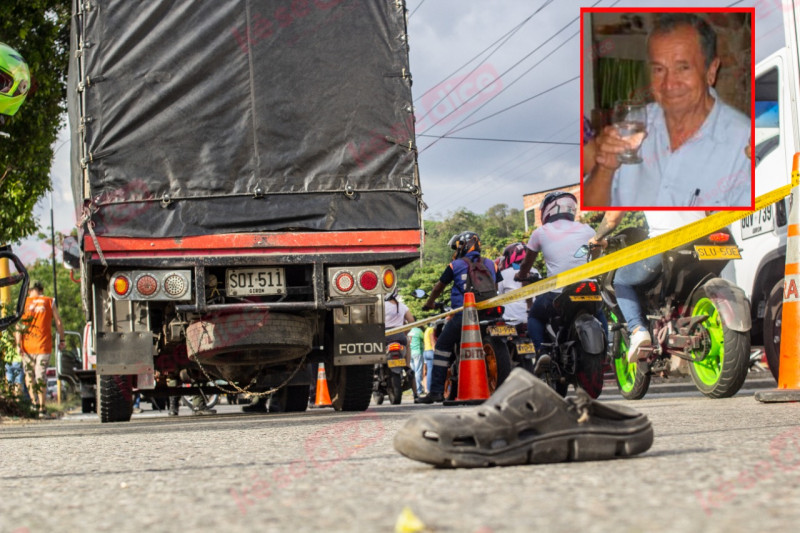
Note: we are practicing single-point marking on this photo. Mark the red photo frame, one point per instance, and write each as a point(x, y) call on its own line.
point(598, 50)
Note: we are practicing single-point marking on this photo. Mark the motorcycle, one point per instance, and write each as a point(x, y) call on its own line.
point(693, 314)
point(577, 341)
point(520, 347)
point(393, 377)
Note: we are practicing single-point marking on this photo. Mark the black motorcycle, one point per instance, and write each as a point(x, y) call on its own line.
point(577, 341)
point(393, 377)
point(694, 315)
point(520, 347)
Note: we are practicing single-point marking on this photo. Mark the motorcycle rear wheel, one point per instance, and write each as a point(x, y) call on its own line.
point(498, 362)
point(632, 381)
point(589, 373)
point(723, 370)
point(395, 389)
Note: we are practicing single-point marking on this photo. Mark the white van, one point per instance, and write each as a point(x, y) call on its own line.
point(762, 235)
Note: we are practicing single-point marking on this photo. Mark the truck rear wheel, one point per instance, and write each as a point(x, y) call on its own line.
point(115, 398)
point(351, 387)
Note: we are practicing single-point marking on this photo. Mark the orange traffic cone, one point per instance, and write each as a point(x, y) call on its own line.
point(789, 371)
point(473, 387)
point(323, 399)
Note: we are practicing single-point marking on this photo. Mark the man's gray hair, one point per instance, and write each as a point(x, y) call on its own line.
point(668, 22)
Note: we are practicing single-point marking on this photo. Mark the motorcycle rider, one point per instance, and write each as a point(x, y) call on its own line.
point(514, 313)
point(467, 245)
point(396, 314)
point(631, 276)
point(560, 238)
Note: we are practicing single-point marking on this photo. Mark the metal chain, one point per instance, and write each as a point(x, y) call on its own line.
point(239, 390)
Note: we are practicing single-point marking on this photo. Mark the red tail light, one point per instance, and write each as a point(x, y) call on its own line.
point(146, 285)
point(396, 347)
point(368, 280)
point(719, 237)
point(586, 287)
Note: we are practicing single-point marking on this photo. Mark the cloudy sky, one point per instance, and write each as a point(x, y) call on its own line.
point(524, 54)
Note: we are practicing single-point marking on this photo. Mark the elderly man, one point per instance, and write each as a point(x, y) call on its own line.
point(694, 152)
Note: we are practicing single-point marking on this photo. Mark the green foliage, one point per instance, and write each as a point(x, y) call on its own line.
point(39, 30)
point(498, 227)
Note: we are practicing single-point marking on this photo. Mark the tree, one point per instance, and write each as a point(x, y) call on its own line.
point(39, 30)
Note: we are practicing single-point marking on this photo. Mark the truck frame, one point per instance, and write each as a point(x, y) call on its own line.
point(241, 231)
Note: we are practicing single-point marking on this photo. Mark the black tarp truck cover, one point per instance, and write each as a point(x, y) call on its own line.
point(231, 116)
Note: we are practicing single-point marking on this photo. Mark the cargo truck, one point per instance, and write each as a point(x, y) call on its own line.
point(246, 184)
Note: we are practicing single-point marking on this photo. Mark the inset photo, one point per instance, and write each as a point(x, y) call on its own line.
point(668, 103)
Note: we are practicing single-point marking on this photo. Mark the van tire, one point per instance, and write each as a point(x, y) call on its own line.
point(772, 328)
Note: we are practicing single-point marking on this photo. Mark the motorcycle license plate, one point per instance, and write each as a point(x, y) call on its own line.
point(394, 363)
point(587, 298)
point(501, 330)
point(254, 281)
point(525, 348)
point(712, 253)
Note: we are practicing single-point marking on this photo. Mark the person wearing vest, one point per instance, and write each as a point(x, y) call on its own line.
point(467, 245)
point(35, 340)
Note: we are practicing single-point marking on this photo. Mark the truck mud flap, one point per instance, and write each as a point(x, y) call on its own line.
point(120, 353)
point(359, 344)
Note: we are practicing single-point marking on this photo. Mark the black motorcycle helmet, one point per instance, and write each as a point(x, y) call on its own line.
point(559, 205)
point(464, 243)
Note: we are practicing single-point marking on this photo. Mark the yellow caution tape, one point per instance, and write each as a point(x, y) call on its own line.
point(626, 256)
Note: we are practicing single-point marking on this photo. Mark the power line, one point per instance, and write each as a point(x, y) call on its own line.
point(497, 140)
point(457, 85)
point(439, 138)
point(476, 56)
point(507, 71)
point(512, 106)
point(475, 185)
point(515, 65)
point(416, 8)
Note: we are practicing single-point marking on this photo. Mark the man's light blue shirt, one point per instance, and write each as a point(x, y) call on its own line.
point(708, 170)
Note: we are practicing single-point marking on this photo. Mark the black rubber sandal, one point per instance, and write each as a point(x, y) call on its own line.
point(525, 422)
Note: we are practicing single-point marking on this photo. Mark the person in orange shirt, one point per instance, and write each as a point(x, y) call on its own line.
point(35, 341)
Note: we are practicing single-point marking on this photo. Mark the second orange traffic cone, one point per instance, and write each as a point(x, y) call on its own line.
point(789, 370)
point(473, 387)
point(323, 399)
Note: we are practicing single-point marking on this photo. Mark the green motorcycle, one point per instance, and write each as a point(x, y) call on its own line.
point(693, 315)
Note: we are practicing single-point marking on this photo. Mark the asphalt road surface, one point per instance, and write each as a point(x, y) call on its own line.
point(716, 465)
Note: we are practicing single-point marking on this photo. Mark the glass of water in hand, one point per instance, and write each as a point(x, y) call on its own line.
point(629, 119)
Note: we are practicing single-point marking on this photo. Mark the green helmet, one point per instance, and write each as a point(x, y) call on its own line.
point(15, 80)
